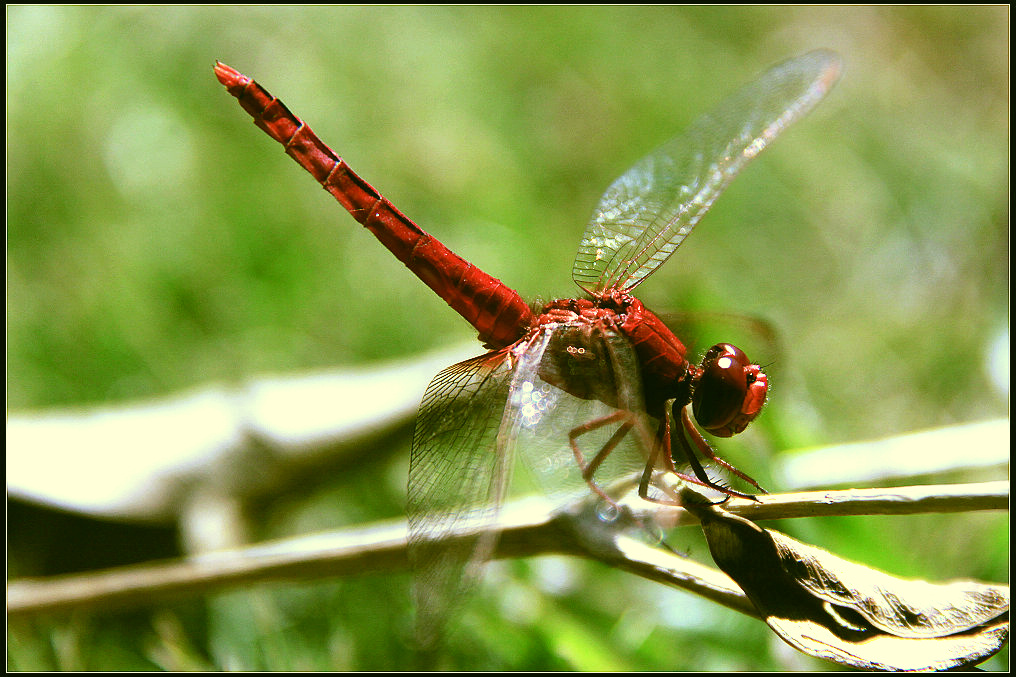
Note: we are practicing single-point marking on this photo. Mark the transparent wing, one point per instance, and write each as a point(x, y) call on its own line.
point(458, 475)
point(646, 214)
point(477, 414)
point(580, 383)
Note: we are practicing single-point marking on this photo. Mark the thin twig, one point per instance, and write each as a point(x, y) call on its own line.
point(528, 528)
point(878, 501)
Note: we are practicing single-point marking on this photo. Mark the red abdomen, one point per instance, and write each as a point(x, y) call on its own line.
point(497, 312)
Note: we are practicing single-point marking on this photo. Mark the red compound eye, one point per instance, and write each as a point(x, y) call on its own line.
point(730, 392)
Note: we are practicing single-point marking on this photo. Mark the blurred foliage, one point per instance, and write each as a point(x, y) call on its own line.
point(157, 241)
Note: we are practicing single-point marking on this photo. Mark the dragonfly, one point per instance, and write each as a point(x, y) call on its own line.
point(585, 389)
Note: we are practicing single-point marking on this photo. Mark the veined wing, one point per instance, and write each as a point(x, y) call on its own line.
point(474, 417)
point(646, 213)
point(581, 384)
point(458, 475)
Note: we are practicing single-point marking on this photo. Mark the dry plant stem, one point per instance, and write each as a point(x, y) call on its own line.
point(665, 567)
point(527, 529)
point(879, 501)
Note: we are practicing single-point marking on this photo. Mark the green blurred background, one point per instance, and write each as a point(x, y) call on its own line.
point(157, 241)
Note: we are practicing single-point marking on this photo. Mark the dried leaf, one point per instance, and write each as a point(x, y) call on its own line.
point(845, 612)
point(901, 607)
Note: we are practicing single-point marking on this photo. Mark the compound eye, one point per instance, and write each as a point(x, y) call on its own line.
point(730, 392)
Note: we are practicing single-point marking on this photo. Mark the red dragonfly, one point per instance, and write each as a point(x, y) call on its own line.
point(583, 388)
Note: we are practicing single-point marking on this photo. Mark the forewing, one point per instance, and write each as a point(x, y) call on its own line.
point(572, 378)
point(646, 214)
point(457, 478)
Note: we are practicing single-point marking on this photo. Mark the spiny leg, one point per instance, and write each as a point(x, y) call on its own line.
point(661, 442)
point(708, 452)
point(661, 448)
point(628, 421)
point(589, 469)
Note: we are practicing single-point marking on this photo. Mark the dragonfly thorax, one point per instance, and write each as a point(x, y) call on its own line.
point(727, 391)
point(584, 331)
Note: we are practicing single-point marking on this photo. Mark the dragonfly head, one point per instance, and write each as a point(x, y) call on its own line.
point(730, 392)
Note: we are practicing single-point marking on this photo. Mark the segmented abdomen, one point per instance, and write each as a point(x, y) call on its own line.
point(497, 312)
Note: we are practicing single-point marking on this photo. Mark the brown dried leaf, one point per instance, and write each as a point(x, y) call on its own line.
point(845, 612)
point(901, 607)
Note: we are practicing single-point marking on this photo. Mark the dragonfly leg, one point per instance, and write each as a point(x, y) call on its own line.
point(661, 442)
point(661, 448)
point(589, 469)
point(708, 452)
